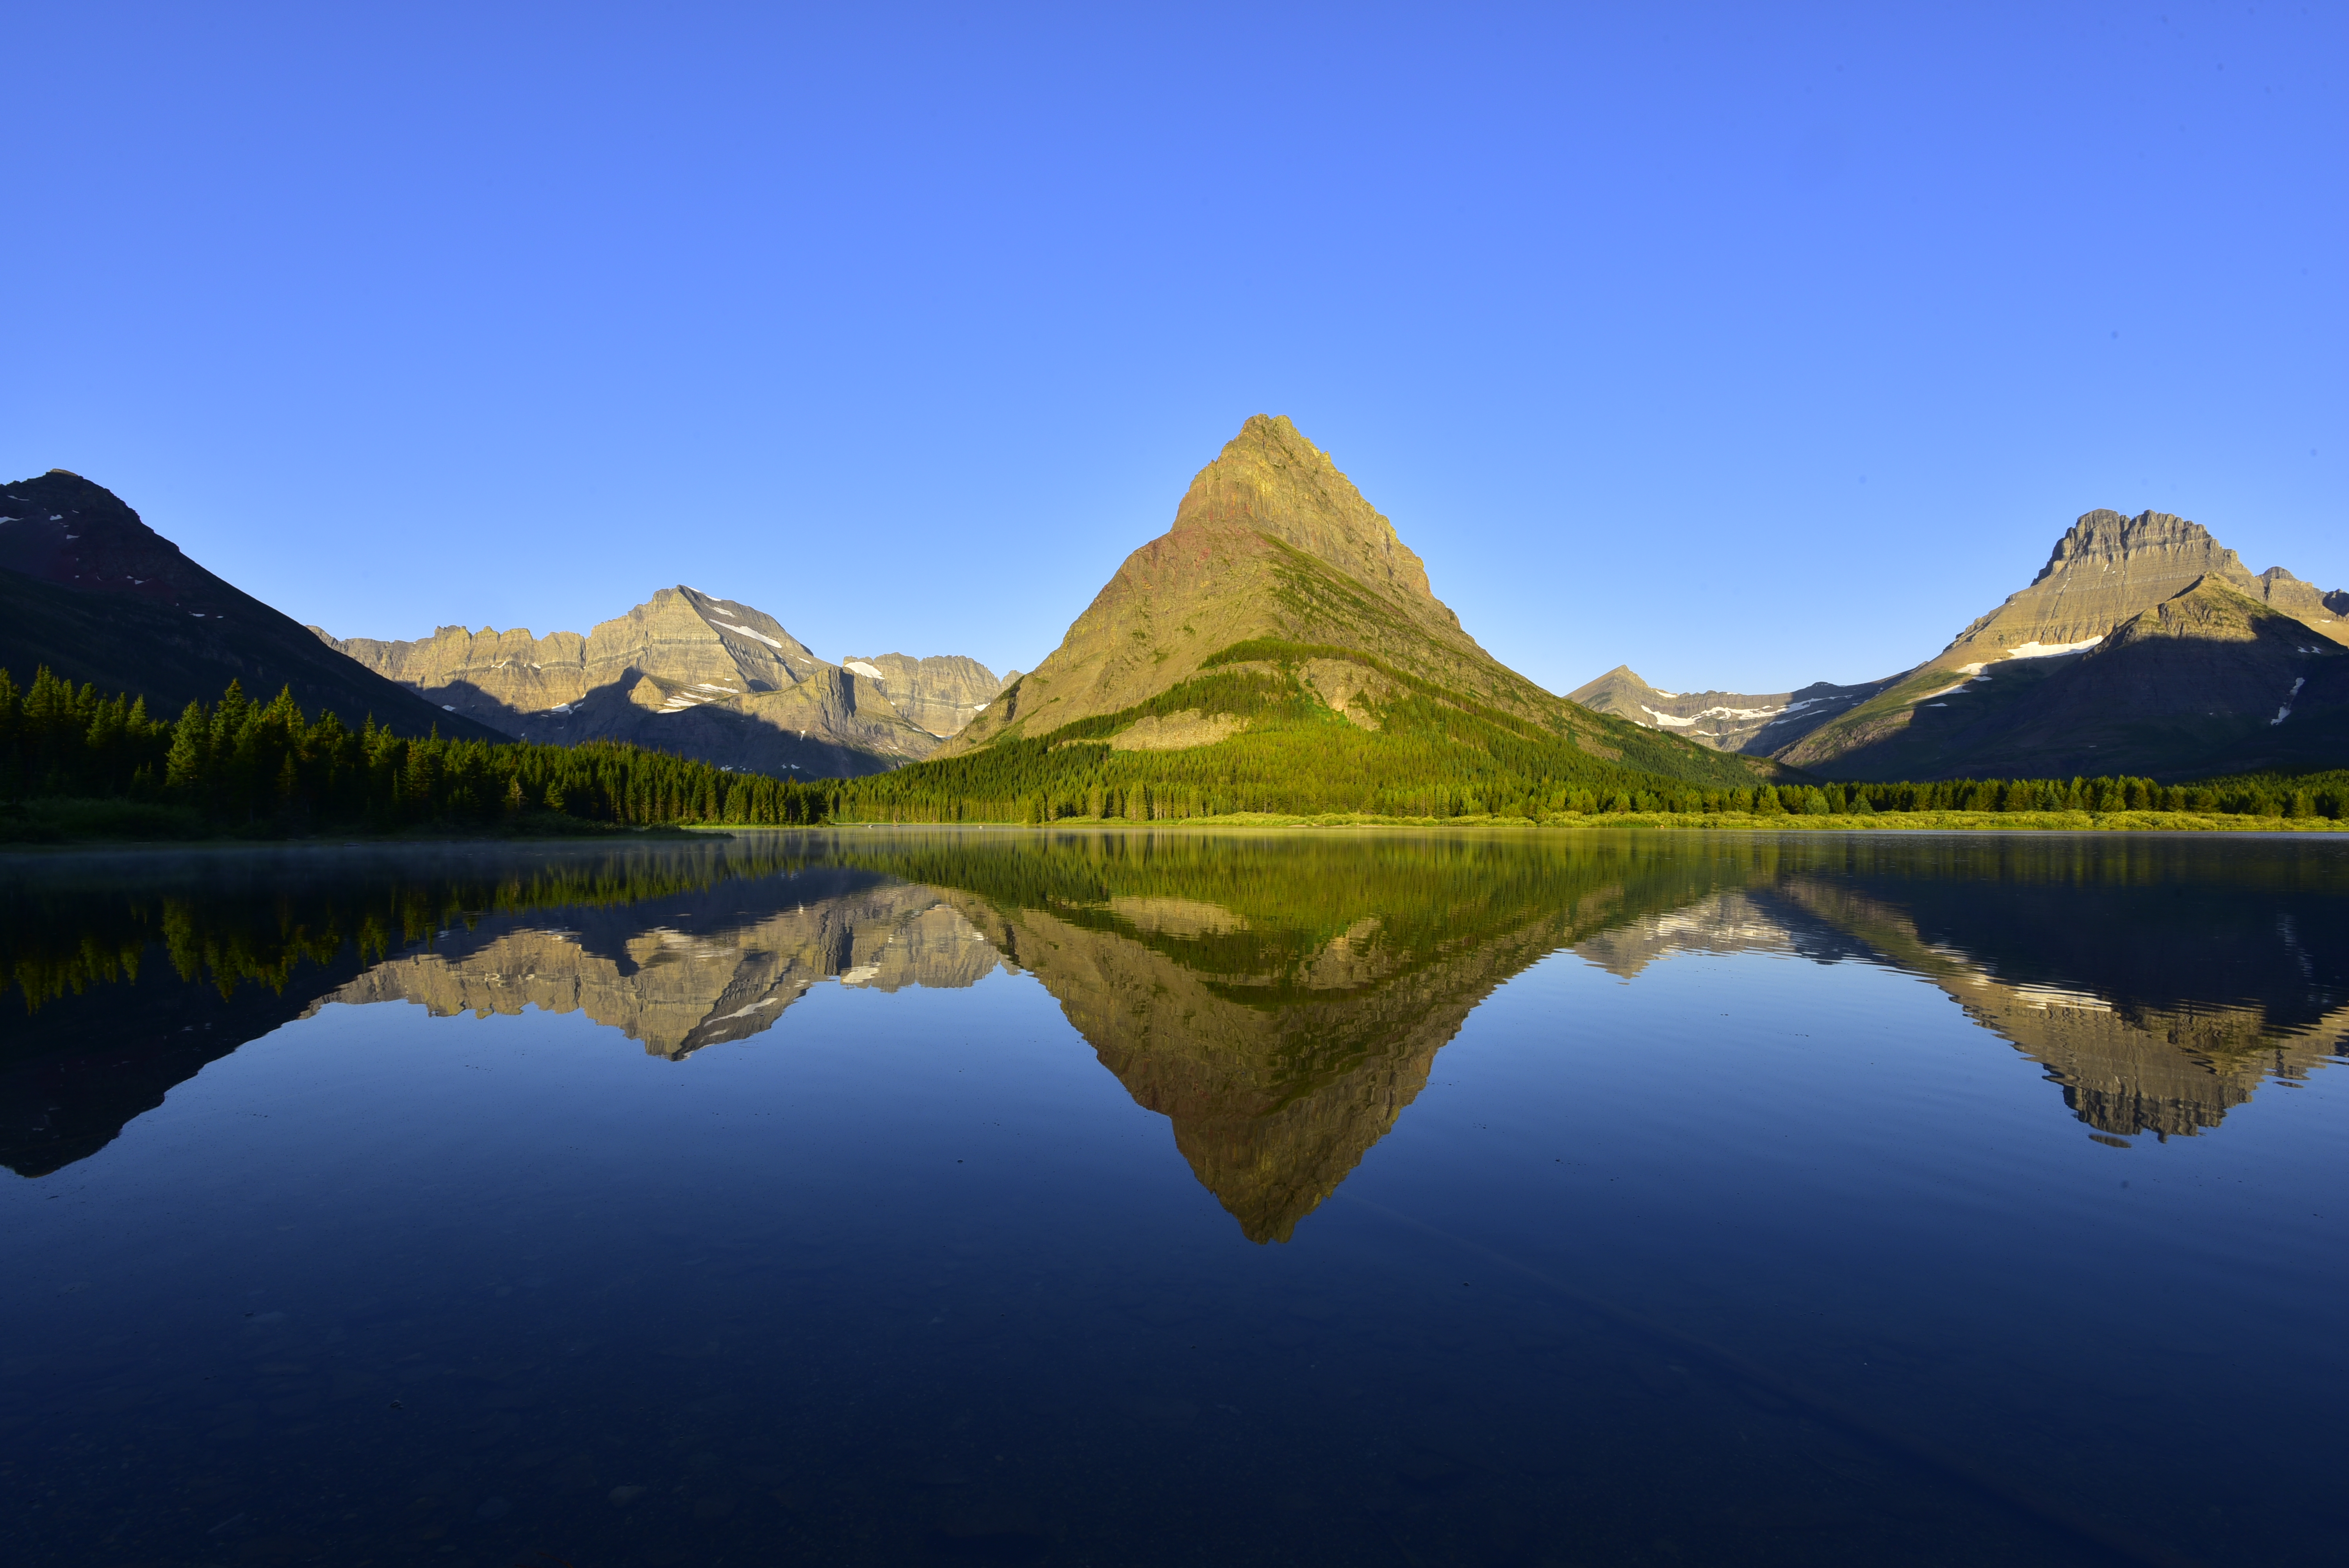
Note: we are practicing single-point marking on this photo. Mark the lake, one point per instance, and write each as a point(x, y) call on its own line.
point(998, 1196)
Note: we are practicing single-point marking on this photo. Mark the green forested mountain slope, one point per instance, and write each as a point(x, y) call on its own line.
point(1279, 649)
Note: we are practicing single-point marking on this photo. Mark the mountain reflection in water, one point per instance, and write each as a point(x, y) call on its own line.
point(1280, 998)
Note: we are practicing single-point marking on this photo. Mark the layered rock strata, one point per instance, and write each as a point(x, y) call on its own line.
point(941, 694)
point(688, 673)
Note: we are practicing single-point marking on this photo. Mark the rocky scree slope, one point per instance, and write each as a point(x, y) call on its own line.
point(89, 590)
point(1276, 563)
point(687, 673)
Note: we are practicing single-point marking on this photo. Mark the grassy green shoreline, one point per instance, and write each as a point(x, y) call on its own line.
point(73, 824)
point(1776, 822)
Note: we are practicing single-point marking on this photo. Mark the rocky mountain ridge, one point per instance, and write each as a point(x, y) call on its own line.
point(689, 673)
point(2143, 645)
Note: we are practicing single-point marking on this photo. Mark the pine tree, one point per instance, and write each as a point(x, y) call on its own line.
point(190, 755)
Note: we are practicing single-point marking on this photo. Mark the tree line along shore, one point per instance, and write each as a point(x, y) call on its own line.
point(77, 765)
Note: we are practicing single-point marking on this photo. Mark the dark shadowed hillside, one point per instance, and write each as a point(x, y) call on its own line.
point(93, 593)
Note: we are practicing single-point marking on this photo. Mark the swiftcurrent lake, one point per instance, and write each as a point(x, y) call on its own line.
point(909, 1196)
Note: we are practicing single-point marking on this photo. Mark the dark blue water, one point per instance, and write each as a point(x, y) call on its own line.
point(1027, 1198)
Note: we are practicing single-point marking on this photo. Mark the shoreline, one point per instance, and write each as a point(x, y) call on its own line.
point(1977, 822)
point(1776, 822)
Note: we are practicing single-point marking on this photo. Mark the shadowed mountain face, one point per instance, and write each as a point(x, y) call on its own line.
point(97, 595)
point(2143, 646)
point(2209, 681)
point(689, 674)
point(1280, 999)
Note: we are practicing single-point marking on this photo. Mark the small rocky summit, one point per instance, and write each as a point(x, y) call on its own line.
point(1757, 725)
point(689, 673)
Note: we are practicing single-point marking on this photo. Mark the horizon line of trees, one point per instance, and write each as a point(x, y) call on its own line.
point(1100, 793)
point(268, 766)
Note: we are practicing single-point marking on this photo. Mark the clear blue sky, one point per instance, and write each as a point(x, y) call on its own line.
point(1749, 345)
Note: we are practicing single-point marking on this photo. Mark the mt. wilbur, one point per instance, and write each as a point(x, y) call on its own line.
point(1279, 649)
point(2143, 646)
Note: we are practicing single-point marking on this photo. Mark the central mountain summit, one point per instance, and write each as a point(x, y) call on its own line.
point(1274, 554)
point(1284, 639)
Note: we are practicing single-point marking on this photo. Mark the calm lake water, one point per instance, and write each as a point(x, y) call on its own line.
point(991, 1196)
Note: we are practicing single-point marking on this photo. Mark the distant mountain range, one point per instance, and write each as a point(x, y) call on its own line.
point(686, 673)
point(2143, 646)
point(91, 591)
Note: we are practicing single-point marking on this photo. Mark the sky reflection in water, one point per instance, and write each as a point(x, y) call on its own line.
point(1537, 1199)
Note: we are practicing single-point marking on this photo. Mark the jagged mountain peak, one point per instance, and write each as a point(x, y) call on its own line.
point(689, 672)
point(2105, 538)
point(1272, 479)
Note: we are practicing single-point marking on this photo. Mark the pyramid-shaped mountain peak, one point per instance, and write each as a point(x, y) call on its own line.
point(1277, 584)
point(1272, 479)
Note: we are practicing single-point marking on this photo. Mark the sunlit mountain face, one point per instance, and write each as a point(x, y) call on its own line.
point(1280, 1000)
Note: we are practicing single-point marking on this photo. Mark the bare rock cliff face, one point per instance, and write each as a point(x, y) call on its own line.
point(1269, 479)
point(2108, 569)
point(683, 672)
point(941, 694)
